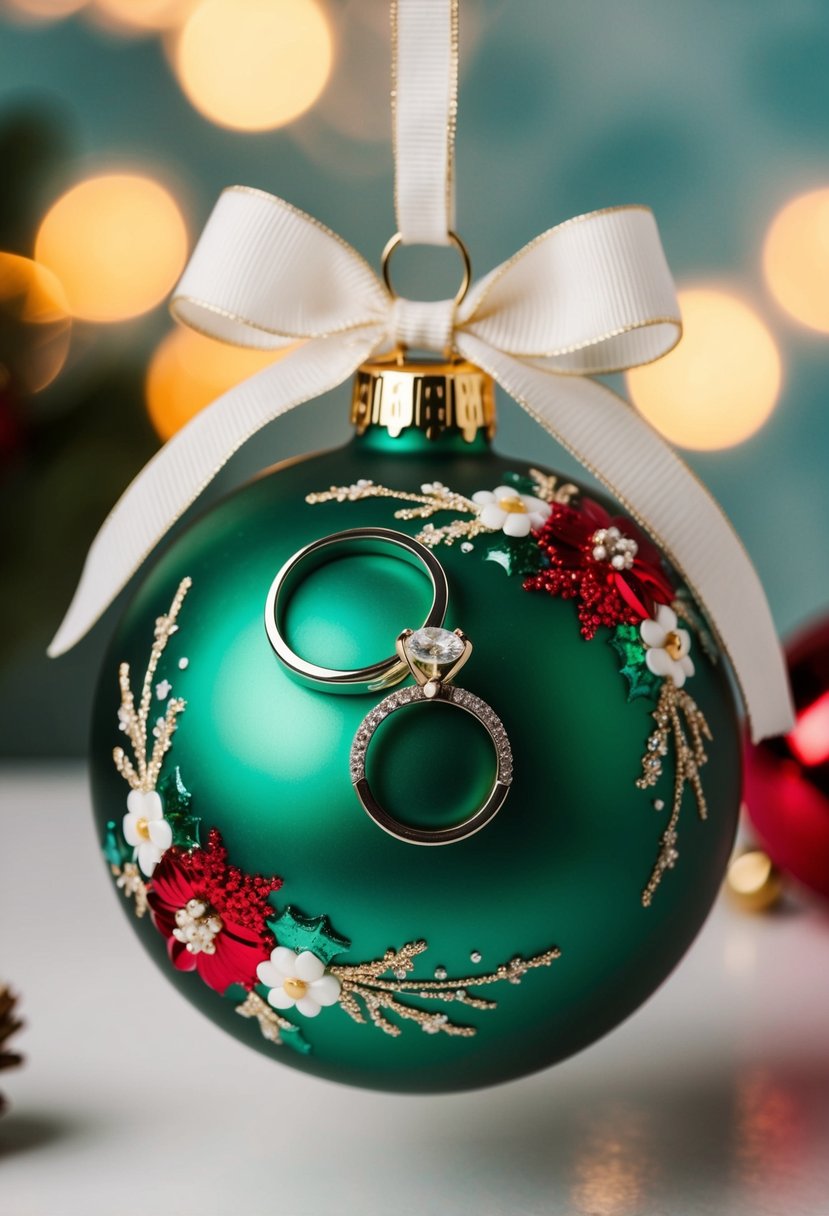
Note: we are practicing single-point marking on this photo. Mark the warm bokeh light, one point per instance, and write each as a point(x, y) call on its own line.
point(46, 10)
point(254, 64)
point(720, 384)
point(34, 323)
point(117, 243)
point(796, 259)
point(142, 15)
point(188, 371)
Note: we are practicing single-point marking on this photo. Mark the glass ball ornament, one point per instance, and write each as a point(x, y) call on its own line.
point(248, 867)
point(787, 779)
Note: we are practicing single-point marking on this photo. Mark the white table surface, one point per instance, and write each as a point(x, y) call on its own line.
point(713, 1100)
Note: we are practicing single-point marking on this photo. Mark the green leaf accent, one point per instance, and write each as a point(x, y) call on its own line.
point(521, 482)
point(295, 1039)
point(517, 555)
point(115, 848)
point(631, 650)
point(178, 802)
point(299, 933)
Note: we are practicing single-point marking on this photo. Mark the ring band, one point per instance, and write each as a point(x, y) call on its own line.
point(433, 687)
point(375, 676)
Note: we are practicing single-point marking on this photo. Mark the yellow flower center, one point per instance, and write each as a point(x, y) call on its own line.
point(142, 829)
point(673, 646)
point(295, 988)
point(512, 506)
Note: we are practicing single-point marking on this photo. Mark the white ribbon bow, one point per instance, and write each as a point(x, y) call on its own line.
point(590, 296)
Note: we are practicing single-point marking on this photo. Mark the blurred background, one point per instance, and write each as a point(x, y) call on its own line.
point(121, 120)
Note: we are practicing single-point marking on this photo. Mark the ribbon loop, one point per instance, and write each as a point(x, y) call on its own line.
point(265, 274)
point(590, 296)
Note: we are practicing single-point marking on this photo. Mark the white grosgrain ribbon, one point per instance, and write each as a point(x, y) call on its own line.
point(589, 296)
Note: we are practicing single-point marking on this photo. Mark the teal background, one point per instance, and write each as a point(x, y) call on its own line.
point(714, 113)
point(266, 759)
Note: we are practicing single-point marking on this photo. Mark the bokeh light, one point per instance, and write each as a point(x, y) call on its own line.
point(117, 243)
point(254, 64)
point(796, 259)
point(721, 383)
point(34, 324)
point(188, 371)
point(46, 10)
point(142, 16)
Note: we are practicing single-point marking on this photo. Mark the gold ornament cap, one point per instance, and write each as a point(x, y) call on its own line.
point(436, 398)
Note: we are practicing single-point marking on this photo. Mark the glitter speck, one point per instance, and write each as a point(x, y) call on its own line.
point(658, 804)
point(475, 956)
point(183, 664)
point(467, 546)
point(440, 973)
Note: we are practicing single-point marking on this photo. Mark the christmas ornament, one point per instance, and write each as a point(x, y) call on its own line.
point(753, 883)
point(234, 818)
point(787, 779)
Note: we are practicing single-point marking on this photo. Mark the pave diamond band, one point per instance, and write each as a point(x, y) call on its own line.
point(433, 662)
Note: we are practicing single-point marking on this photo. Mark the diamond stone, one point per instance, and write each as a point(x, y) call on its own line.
point(434, 647)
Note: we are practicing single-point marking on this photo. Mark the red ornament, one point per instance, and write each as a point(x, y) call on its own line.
point(787, 779)
point(212, 914)
point(618, 588)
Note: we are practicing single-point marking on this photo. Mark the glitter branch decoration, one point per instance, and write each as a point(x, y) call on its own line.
point(673, 705)
point(435, 497)
point(271, 1023)
point(363, 987)
point(143, 773)
point(128, 880)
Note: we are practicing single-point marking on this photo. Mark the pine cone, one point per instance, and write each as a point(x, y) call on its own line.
point(9, 1025)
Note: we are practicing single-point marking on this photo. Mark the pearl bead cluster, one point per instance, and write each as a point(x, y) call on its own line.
point(610, 546)
point(198, 926)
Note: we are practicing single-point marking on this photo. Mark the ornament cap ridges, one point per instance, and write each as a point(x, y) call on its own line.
point(435, 397)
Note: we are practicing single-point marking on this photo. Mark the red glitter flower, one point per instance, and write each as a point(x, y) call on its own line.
point(603, 561)
point(212, 914)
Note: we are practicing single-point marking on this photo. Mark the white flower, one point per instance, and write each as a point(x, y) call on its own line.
point(515, 514)
point(668, 647)
point(146, 828)
point(298, 979)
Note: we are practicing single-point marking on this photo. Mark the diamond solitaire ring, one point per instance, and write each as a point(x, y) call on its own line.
point(433, 656)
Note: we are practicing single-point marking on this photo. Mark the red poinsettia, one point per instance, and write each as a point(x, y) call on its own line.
point(604, 561)
point(212, 914)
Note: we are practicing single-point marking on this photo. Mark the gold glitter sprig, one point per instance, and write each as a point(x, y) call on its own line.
point(434, 497)
point(673, 705)
point(364, 990)
point(271, 1024)
point(142, 772)
point(128, 879)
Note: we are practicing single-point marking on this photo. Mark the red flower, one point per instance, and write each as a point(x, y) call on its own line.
point(617, 578)
point(212, 914)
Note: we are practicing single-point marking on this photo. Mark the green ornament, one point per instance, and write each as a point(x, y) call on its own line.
point(459, 966)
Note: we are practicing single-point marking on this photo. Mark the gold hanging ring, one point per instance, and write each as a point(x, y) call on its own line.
point(454, 239)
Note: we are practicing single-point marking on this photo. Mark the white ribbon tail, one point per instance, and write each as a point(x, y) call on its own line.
point(178, 473)
point(661, 493)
